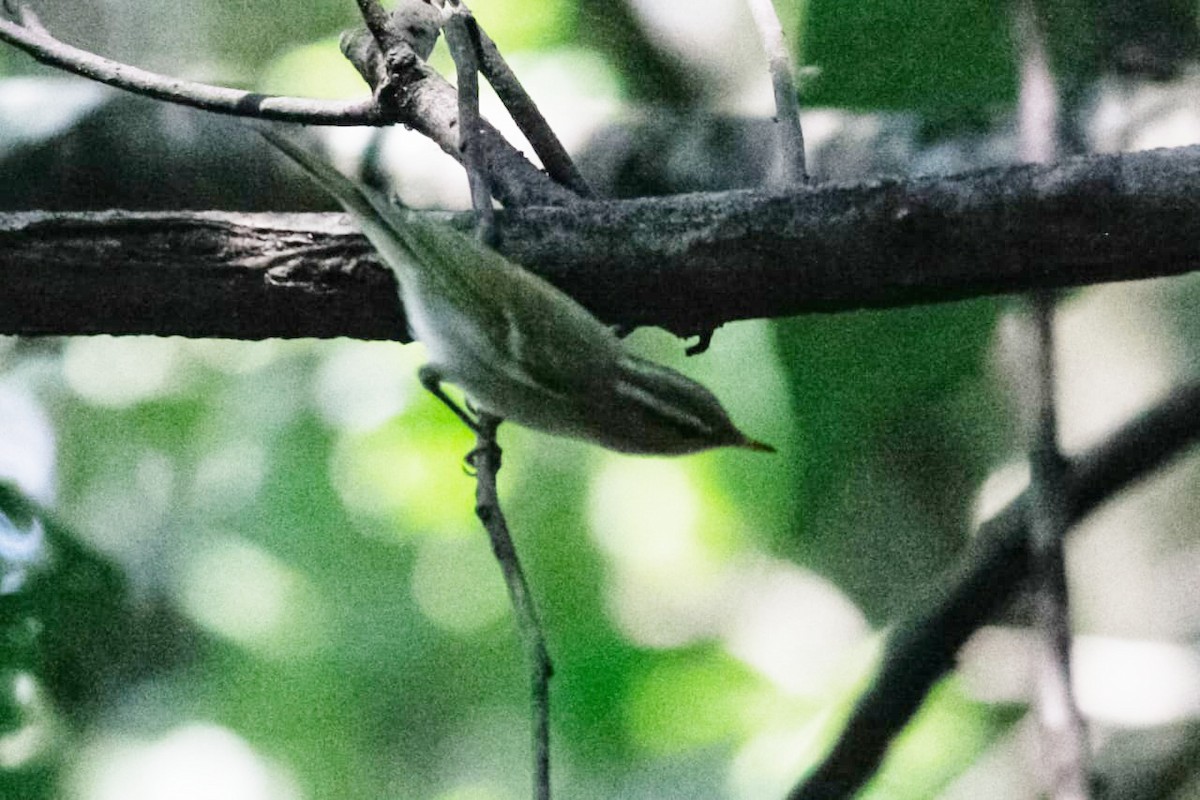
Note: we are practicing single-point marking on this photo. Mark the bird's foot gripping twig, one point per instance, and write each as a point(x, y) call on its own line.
point(484, 462)
point(486, 453)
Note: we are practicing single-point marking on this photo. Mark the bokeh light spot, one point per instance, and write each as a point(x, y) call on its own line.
point(120, 371)
point(456, 583)
point(244, 594)
point(199, 761)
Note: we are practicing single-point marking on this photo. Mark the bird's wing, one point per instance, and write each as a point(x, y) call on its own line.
point(542, 337)
point(550, 337)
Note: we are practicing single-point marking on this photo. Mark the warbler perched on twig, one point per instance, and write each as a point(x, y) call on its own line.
point(517, 346)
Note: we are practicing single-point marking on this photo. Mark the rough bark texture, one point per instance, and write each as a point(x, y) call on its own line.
point(685, 263)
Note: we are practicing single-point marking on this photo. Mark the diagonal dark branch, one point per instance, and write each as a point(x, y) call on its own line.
point(529, 119)
point(922, 647)
point(685, 263)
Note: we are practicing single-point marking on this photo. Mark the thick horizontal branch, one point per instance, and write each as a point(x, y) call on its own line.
point(685, 263)
point(199, 274)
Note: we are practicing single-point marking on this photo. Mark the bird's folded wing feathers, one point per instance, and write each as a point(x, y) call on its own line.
point(549, 340)
point(555, 341)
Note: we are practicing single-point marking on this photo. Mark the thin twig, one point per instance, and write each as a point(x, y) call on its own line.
point(378, 23)
point(787, 102)
point(1063, 730)
point(462, 37)
point(33, 39)
point(528, 117)
point(486, 460)
point(1064, 735)
point(921, 648)
point(424, 101)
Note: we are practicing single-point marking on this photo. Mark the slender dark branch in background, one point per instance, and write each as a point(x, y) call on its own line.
point(1064, 741)
point(30, 37)
point(787, 100)
point(921, 649)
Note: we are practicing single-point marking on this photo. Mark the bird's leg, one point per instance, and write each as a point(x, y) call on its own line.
point(484, 425)
point(431, 379)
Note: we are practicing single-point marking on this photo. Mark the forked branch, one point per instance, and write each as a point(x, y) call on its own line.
point(423, 101)
point(922, 648)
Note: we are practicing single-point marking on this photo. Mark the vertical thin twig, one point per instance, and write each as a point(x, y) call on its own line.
point(787, 103)
point(1049, 516)
point(1064, 734)
point(463, 37)
point(486, 460)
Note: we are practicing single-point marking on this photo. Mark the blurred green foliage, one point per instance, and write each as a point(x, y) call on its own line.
point(277, 538)
point(63, 615)
point(929, 428)
point(932, 56)
point(948, 735)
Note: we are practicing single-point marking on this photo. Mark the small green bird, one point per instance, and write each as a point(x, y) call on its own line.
point(517, 346)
